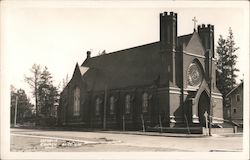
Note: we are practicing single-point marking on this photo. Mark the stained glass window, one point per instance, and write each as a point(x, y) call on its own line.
point(144, 102)
point(112, 105)
point(237, 97)
point(127, 103)
point(76, 109)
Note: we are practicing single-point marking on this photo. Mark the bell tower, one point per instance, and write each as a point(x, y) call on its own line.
point(206, 34)
point(168, 43)
point(168, 30)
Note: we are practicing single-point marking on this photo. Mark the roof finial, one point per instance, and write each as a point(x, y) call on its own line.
point(195, 21)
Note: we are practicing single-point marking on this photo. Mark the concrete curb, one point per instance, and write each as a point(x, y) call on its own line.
point(156, 134)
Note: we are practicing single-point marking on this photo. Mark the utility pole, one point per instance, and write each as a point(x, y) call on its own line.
point(15, 111)
point(210, 102)
point(36, 99)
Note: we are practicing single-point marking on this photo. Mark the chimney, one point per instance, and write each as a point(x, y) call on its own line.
point(88, 54)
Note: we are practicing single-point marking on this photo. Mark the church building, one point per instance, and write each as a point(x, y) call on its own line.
point(168, 83)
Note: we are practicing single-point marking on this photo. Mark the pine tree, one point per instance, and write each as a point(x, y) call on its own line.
point(232, 57)
point(226, 65)
point(47, 94)
point(222, 66)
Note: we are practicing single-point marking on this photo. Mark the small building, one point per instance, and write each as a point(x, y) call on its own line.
point(171, 82)
point(234, 112)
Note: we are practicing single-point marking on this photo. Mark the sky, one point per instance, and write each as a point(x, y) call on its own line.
point(59, 34)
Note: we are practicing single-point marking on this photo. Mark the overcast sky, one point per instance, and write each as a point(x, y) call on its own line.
point(58, 34)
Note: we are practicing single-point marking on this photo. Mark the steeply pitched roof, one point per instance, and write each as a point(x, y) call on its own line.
point(130, 67)
point(195, 45)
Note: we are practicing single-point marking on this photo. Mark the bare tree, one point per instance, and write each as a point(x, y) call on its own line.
point(102, 53)
point(33, 81)
point(65, 81)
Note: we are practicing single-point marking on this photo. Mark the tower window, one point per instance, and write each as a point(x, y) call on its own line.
point(234, 110)
point(76, 108)
point(237, 97)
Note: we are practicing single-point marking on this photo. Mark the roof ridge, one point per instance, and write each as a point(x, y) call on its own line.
point(121, 51)
point(143, 45)
point(234, 88)
point(185, 35)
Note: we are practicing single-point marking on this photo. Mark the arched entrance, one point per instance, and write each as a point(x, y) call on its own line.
point(203, 106)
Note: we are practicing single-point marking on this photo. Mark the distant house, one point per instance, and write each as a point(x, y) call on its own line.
point(234, 111)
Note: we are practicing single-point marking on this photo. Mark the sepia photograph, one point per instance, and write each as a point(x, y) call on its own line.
point(124, 80)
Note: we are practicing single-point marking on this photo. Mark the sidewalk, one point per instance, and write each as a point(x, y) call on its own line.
point(156, 134)
point(181, 135)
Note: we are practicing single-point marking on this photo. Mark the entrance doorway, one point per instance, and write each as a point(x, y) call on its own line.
point(203, 106)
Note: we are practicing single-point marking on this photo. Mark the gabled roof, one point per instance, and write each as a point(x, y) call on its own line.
point(195, 45)
point(129, 67)
point(76, 70)
point(239, 85)
point(76, 74)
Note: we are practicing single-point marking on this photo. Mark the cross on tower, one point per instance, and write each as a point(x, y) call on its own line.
point(195, 21)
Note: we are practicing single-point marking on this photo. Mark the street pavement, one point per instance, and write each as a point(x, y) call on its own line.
point(36, 140)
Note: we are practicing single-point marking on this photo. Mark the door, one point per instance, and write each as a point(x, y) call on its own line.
point(203, 107)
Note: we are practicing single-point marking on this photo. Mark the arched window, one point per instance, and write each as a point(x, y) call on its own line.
point(112, 105)
point(97, 106)
point(145, 102)
point(127, 104)
point(76, 109)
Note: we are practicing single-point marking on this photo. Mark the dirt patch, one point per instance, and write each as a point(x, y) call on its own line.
point(30, 144)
